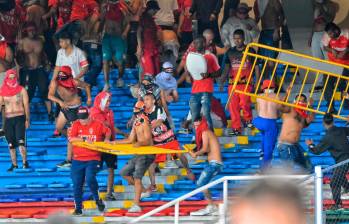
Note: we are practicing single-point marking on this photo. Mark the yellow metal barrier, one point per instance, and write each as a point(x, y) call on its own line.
point(310, 72)
point(125, 149)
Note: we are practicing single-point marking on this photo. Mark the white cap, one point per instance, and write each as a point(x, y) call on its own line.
point(167, 65)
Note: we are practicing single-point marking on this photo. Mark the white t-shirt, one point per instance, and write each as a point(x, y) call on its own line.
point(165, 15)
point(76, 60)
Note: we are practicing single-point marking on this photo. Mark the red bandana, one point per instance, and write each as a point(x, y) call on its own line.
point(203, 126)
point(10, 87)
point(66, 79)
point(301, 112)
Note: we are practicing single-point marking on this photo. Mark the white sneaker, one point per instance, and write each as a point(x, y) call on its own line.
point(106, 87)
point(135, 208)
point(145, 194)
point(171, 164)
point(120, 83)
point(209, 210)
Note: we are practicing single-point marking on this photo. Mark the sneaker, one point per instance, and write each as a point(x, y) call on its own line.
point(2, 133)
point(12, 168)
point(26, 165)
point(106, 87)
point(65, 163)
point(145, 194)
point(153, 188)
point(249, 124)
point(120, 83)
point(135, 208)
point(100, 205)
point(209, 210)
point(234, 132)
point(56, 134)
point(110, 197)
point(184, 131)
point(171, 164)
point(77, 212)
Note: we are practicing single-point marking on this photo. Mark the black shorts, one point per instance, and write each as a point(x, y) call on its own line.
point(110, 160)
point(71, 114)
point(15, 131)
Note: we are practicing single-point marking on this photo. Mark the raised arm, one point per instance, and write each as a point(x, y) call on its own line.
point(87, 88)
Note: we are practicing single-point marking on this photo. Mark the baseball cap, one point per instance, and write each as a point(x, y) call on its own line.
point(243, 8)
point(139, 107)
point(266, 84)
point(83, 113)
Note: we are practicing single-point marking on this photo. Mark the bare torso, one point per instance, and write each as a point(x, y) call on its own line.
point(291, 128)
point(14, 105)
point(34, 14)
point(140, 133)
point(271, 16)
point(33, 50)
point(113, 28)
point(137, 7)
point(268, 109)
point(214, 153)
point(69, 98)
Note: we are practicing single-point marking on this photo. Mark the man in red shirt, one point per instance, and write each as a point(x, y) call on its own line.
point(337, 46)
point(85, 164)
point(185, 30)
point(148, 40)
point(61, 8)
point(202, 90)
point(102, 113)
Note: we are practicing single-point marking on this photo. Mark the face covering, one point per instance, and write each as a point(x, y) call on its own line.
point(10, 87)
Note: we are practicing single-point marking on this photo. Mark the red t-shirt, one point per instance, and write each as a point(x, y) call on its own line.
point(206, 85)
point(340, 44)
point(9, 23)
point(149, 34)
point(64, 8)
point(113, 12)
point(106, 118)
point(3, 47)
point(187, 23)
point(94, 132)
point(82, 9)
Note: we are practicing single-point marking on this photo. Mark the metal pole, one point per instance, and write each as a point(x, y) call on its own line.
point(176, 213)
point(225, 199)
point(318, 195)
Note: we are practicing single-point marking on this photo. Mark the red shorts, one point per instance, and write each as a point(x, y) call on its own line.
point(174, 145)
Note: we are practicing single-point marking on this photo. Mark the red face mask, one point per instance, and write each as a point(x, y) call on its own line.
point(10, 86)
point(301, 112)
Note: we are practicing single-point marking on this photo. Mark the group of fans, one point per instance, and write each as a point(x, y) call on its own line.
point(93, 36)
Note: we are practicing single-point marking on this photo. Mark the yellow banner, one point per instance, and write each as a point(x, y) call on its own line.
point(125, 149)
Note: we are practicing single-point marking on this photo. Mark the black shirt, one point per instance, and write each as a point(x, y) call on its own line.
point(336, 142)
point(204, 9)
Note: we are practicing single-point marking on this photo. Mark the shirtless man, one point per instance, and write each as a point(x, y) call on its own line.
point(64, 91)
point(207, 143)
point(136, 9)
point(34, 13)
point(324, 12)
point(266, 121)
point(136, 167)
point(294, 121)
point(114, 44)
point(16, 101)
point(31, 56)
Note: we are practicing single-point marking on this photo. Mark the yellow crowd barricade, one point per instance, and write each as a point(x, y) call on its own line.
point(308, 68)
point(125, 149)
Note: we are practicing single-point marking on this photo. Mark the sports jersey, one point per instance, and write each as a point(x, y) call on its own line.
point(162, 134)
point(340, 44)
point(9, 23)
point(234, 59)
point(93, 132)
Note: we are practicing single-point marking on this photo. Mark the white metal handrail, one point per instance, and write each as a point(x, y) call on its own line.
point(223, 180)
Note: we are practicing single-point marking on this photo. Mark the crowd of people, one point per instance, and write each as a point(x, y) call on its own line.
point(79, 39)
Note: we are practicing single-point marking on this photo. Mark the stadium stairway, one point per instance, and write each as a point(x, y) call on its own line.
point(30, 195)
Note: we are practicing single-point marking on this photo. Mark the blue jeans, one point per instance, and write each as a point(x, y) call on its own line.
point(266, 38)
point(210, 171)
point(269, 131)
point(82, 171)
point(201, 102)
point(94, 57)
point(294, 154)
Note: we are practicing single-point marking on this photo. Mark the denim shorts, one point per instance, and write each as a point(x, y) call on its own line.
point(210, 171)
point(294, 154)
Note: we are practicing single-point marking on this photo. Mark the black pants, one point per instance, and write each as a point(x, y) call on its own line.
point(338, 181)
point(330, 88)
point(32, 78)
point(213, 25)
point(132, 43)
point(15, 131)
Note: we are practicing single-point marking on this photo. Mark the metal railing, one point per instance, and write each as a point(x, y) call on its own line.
point(312, 67)
point(223, 180)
